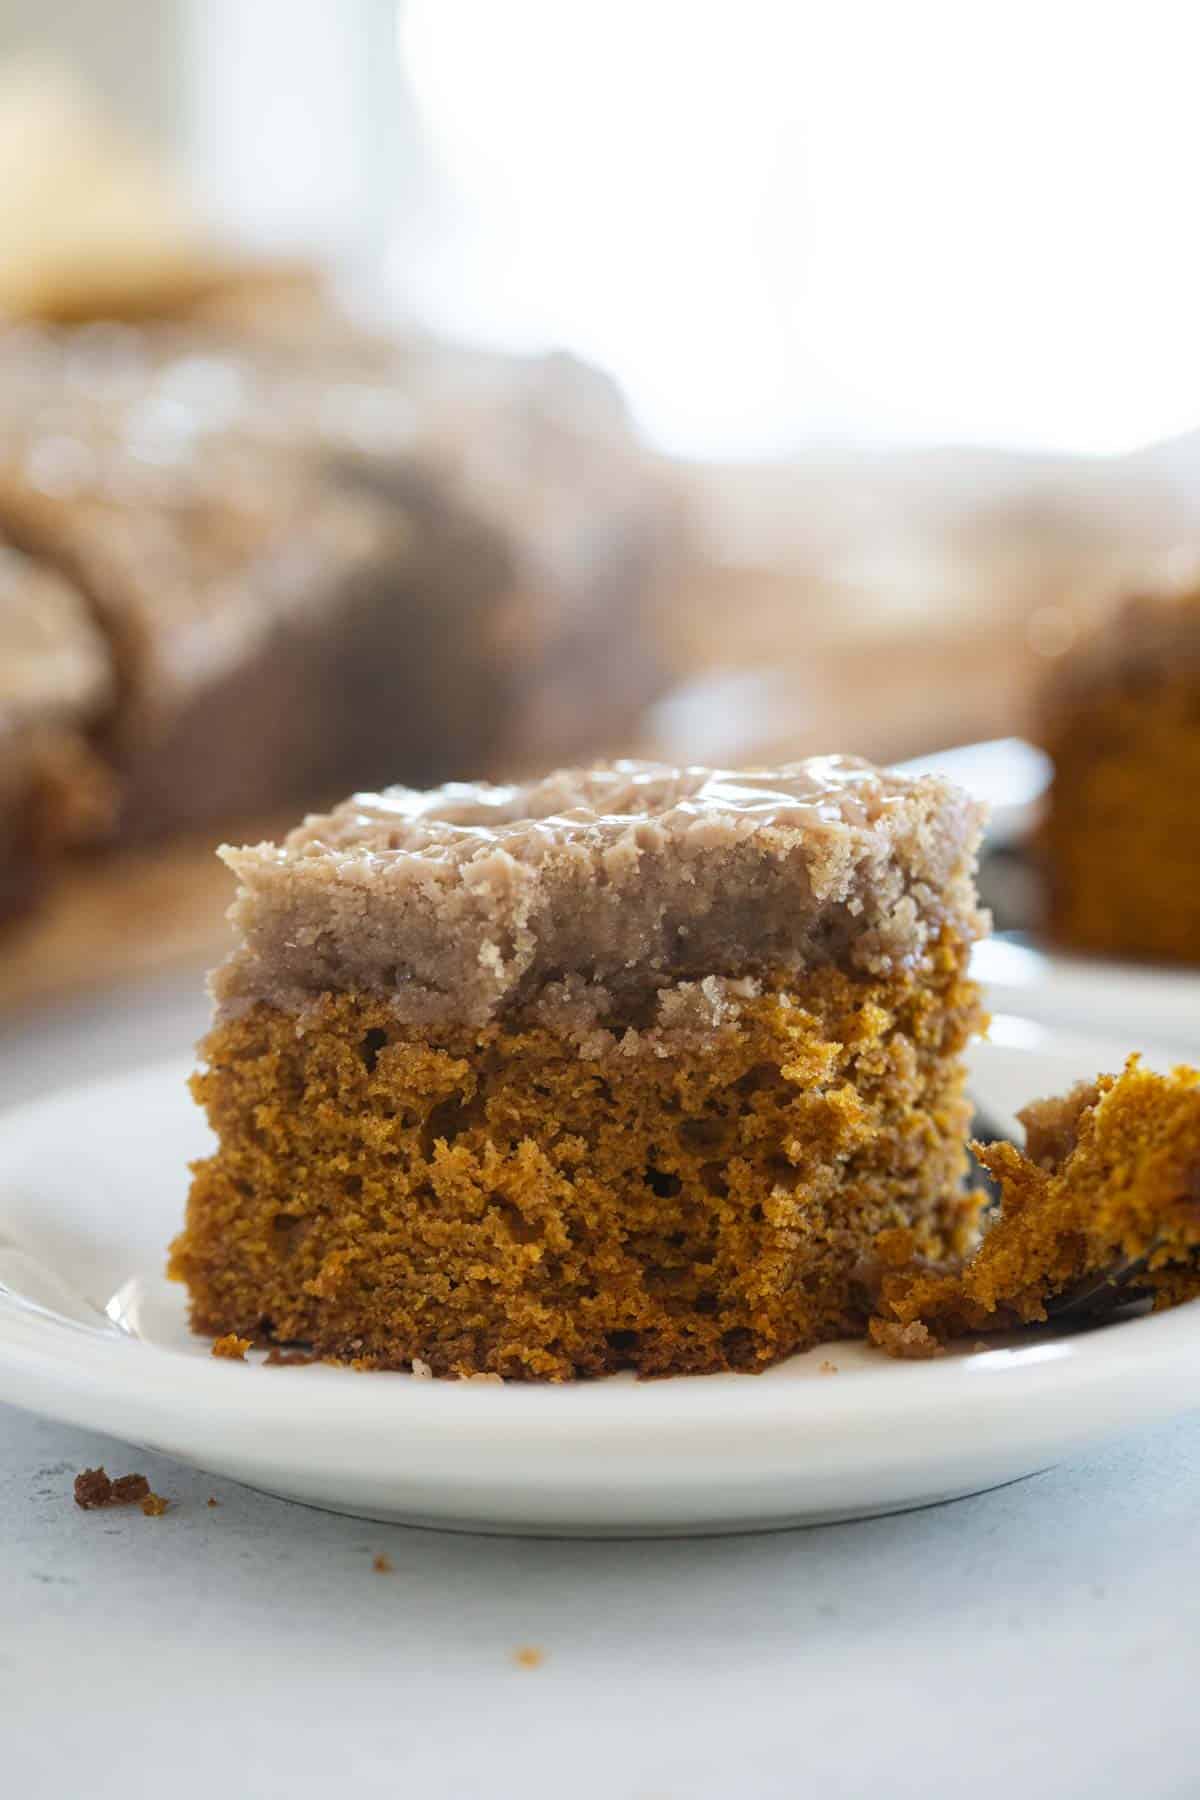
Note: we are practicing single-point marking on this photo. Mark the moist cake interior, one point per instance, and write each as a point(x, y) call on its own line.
point(1105, 1200)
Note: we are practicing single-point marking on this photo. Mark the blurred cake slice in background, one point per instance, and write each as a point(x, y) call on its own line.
point(938, 583)
point(1120, 716)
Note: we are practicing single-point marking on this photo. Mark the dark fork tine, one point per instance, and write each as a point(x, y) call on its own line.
point(1096, 1295)
point(986, 1131)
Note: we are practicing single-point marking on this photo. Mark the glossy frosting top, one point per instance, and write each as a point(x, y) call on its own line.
point(457, 821)
point(467, 902)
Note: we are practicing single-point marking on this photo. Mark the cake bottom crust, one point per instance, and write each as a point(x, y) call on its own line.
point(500, 1201)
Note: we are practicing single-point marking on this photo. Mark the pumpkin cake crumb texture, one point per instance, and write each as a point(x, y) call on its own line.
point(1110, 1177)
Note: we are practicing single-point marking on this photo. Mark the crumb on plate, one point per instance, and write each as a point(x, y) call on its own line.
point(911, 1343)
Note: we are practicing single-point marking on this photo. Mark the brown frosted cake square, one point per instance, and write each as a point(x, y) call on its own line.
point(627, 1068)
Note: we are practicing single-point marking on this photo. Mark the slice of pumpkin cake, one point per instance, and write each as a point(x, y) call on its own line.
point(626, 1068)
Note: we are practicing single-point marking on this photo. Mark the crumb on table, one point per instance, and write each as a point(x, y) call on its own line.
point(154, 1506)
point(528, 1656)
point(231, 1347)
point(128, 1488)
point(94, 1489)
point(383, 1565)
point(827, 1368)
point(213, 1501)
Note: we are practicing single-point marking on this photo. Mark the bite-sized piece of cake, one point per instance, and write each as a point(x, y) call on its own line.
point(55, 681)
point(317, 573)
point(1104, 1205)
point(1121, 842)
point(623, 1069)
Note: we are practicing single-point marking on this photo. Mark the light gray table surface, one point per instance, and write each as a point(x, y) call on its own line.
point(1043, 1639)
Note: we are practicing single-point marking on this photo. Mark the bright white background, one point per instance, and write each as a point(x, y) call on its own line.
point(778, 221)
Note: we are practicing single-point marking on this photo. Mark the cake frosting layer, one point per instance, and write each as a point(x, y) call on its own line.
point(471, 901)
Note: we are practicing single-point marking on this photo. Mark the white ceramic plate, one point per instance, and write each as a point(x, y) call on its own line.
point(91, 1187)
point(1137, 1004)
point(1009, 775)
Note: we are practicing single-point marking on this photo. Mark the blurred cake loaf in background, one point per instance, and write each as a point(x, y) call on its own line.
point(1120, 716)
point(379, 561)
